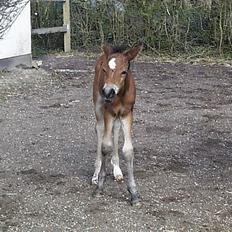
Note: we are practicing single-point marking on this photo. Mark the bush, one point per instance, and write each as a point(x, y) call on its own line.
point(173, 26)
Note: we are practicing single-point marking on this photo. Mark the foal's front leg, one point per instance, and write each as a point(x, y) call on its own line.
point(129, 156)
point(115, 158)
point(106, 147)
point(98, 162)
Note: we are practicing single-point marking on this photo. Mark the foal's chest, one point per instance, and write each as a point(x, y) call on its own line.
point(118, 109)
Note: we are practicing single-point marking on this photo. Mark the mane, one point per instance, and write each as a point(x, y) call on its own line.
point(118, 49)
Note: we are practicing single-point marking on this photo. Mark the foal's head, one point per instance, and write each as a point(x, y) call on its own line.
point(116, 70)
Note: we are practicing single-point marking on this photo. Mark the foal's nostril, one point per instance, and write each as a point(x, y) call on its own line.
point(111, 93)
point(108, 93)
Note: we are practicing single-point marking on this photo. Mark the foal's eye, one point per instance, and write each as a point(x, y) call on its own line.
point(124, 73)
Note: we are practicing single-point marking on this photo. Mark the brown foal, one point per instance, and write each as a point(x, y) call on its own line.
point(114, 97)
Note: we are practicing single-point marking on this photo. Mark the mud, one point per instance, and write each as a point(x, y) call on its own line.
point(182, 140)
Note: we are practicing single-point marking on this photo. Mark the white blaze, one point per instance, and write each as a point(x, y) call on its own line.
point(112, 63)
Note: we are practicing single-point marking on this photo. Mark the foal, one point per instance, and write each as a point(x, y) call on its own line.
point(114, 97)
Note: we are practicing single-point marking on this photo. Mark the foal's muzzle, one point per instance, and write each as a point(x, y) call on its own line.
point(108, 94)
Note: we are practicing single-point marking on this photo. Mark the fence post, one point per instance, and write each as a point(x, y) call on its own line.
point(66, 16)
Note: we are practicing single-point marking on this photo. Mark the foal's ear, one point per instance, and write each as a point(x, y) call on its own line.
point(107, 49)
point(133, 52)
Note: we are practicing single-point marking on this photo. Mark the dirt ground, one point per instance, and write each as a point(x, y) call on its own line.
point(182, 139)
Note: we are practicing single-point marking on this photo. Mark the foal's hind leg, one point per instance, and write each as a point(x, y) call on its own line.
point(102, 174)
point(129, 156)
point(115, 158)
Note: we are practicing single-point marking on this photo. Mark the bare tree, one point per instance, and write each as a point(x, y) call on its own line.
point(206, 3)
point(9, 11)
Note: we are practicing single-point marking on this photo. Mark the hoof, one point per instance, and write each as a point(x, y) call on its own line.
point(136, 203)
point(135, 198)
point(119, 178)
point(97, 192)
point(95, 181)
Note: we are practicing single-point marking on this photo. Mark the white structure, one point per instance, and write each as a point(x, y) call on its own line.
point(15, 34)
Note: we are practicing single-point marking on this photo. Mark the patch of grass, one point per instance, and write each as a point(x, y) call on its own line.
point(199, 55)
